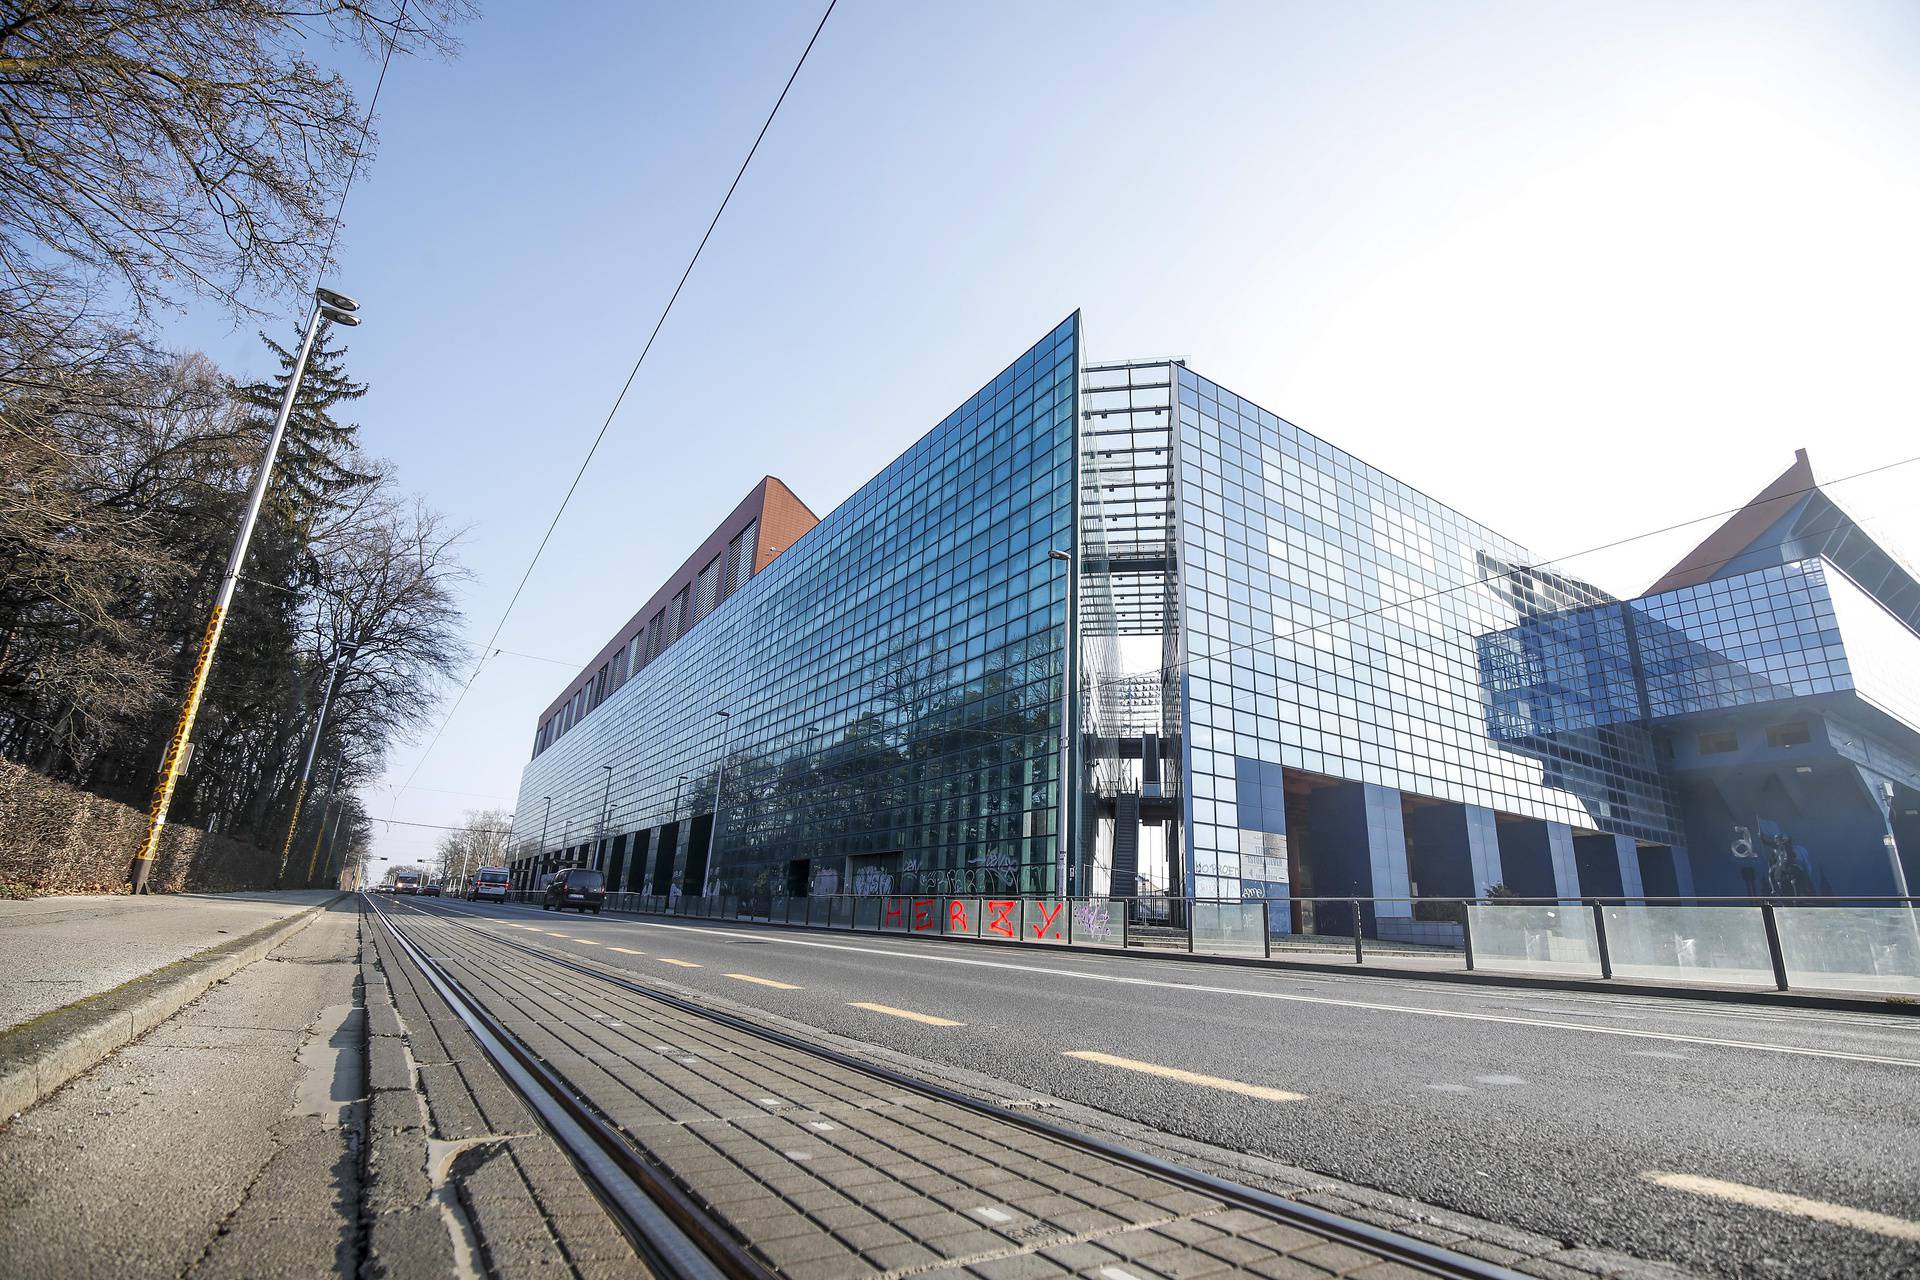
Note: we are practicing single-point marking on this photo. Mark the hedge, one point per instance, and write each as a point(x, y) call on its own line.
point(56, 839)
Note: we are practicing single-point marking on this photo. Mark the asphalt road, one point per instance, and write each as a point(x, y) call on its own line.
point(1550, 1111)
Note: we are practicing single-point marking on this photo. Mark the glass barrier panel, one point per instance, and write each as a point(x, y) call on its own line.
point(1229, 928)
point(1099, 922)
point(1688, 944)
point(866, 913)
point(960, 917)
point(1851, 948)
point(895, 913)
point(1043, 920)
point(1000, 918)
point(923, 914)
point(1538, 939)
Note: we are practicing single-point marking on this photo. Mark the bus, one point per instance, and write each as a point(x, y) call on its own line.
point(406, 882)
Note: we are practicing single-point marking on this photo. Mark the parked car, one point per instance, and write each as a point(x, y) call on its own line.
point(430, 889)
point(581, 887)
point(490, 883)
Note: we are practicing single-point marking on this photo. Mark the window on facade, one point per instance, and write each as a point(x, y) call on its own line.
point(1789, 735)
point(1718, 744)
point(676, 618)
point(654, 629)
point(739, 559)
point(706, 589)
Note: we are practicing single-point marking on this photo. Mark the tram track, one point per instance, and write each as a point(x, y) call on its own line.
point(680, 1233)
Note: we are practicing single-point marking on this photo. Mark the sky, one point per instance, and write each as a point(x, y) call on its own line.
point(1579, 271)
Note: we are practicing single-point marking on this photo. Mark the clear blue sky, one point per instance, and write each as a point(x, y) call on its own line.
point(1578, 270)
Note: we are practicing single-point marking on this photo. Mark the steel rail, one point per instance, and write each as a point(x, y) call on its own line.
point(1407, 1250)
point(674, 1233)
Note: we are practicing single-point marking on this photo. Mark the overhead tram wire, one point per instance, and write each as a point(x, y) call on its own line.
point(619, 399)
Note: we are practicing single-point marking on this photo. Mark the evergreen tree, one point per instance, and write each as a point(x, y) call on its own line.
point(320, 457)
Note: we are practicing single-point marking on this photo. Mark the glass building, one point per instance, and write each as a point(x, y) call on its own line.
point(1290, 676)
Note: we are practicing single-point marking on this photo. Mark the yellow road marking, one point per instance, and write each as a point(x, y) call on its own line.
point(764, 982)
point(625, 952)
point(684, 964)
point(1879, 1224)
point(586, 942)
point(908, 1014)
point(552, 934)
point(1187, 1077)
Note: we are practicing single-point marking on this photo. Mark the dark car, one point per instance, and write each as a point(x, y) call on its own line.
point(580, 887)
point(430, 890)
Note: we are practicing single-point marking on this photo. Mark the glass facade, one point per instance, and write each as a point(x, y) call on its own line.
point(892, 683)
point(1332, 619)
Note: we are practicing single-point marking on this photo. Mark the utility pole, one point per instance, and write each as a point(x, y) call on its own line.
point(333, 793)
point(306, 769)
point(327, 305)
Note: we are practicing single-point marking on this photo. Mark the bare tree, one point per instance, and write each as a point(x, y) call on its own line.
point(480, 842)
point(155, 146)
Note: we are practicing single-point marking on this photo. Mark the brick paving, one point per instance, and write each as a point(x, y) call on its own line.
point(825, 1171)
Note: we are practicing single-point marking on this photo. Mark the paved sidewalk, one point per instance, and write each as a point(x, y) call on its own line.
point(54, 951)
point(223, 1144)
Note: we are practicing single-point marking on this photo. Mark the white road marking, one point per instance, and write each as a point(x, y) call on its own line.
point(684, 964)
point(626, 951)
point(1502, 1080)
point(822, 1126)
point(1659, 1053)
point(1116, 1273)
point(1187, 1077)
point(797, 1155)
point(992, 1214)
point(1671, 1037)
point(1880, 1224)
point(908, 1014)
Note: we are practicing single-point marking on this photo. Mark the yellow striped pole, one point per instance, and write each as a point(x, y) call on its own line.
point(331, 306)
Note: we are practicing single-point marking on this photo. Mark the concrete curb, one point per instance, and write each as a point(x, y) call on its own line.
point(43, 1054)
point(1804, 1000)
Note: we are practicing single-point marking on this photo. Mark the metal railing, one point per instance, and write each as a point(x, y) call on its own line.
point(1862, 945)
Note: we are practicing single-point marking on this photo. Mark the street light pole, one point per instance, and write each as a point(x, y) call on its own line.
point(306, 769)
point(327, 305)
point(600, 829)
point(713, 831)
point(540, 854)
point(320, 834)
point(1067, 728)
point(673, 817)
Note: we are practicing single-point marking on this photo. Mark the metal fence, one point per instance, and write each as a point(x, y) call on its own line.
point(1867, 945)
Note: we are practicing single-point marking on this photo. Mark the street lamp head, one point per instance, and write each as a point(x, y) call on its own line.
point(724, 714)
point(339, 317)
point(1057, 554)
point(338, 301)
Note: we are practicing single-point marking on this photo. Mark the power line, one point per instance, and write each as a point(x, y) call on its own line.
point(1535, 567)
point(619, 399)
point(435, 826)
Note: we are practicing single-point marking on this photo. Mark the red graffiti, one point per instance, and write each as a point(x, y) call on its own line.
point(998, 910)
point(895, 918)
point(1045, 928)
point(956, 916)
point(922, 914)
